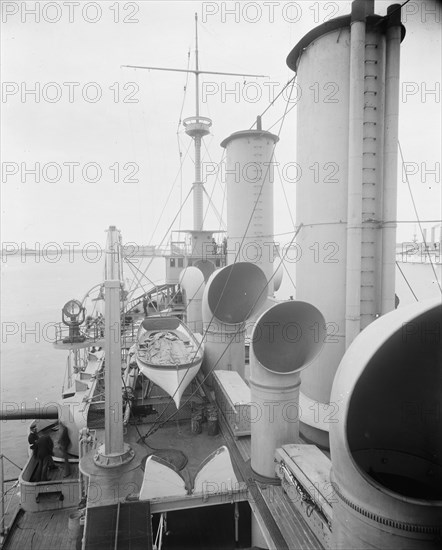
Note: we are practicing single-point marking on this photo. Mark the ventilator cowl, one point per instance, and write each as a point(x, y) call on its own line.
point(386, 436)
point(286, 338)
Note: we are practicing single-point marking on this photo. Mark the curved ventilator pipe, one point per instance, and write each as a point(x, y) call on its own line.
point(385, 438)
point(286, 338)
point(192, 282)
point(231, 296)
point(277, 276)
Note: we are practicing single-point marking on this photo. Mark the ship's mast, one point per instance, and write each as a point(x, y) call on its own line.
point(198, 134)
point(196, 127)
point(197, 91)
point(114, 451)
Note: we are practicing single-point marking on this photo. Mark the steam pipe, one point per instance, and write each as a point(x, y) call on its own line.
point(283, 343)
point(355, 161)
point(393, 41)
point(192, 282)
point(231, 296)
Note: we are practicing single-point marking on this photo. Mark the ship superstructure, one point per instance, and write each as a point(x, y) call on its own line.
point(315, 439)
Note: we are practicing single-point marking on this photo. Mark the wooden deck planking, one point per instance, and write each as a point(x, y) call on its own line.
point(284, 522)
point(244, 445)
point(311, 468)
point(46, 530)
point(294, 529)
point(291, 524)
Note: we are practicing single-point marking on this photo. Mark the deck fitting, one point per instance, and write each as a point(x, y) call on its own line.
point(113, 460)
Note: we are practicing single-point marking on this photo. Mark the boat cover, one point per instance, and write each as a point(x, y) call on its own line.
point(167, 349)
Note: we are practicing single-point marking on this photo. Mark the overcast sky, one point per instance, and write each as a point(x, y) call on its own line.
point(128, 132)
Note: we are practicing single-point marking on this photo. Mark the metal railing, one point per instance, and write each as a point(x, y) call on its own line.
point(92, 333)
point(6, 493)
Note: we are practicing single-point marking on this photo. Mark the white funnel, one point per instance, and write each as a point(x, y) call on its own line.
point(192, 282)
point(231, 296)
point(249, 177)
point(284, 341)
point(346, 194)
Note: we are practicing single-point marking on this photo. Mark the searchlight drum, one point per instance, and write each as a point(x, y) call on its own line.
point(73, 315)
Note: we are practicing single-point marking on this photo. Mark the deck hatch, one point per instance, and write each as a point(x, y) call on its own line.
point(134, 527)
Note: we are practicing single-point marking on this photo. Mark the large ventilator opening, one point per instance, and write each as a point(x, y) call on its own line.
point(206, 267)
point(288, 337)
point(394, 417)
point(235, 292)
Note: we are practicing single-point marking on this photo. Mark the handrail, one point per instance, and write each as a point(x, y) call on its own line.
point(92, 333)
point(4, 511)
point(156, 289)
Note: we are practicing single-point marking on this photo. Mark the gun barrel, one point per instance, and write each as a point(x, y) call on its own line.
point(50, 412)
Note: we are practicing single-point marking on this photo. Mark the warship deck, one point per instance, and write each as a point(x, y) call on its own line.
point(47, 530)
point(111, 490)
point(283, 526)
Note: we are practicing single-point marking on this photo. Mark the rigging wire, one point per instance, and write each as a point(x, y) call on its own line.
point(211, 203)
point(154, 429)
point(170, 226)
point(343, 223)
point(291, 218)
point(274, 124)
point(217, 180)
point(170, 193)
point(180, 153)
point(223, 203)
point(288, 273)
point(274, 99)
point(281, 179)
point(390, 14)
point(418, 221)
point(406, 280)
point(132, 266)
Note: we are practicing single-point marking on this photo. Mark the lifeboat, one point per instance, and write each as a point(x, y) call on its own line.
point(169, 354)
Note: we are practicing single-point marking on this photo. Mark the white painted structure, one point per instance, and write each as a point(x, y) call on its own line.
point(250, 177)
point(283, 344)
point(385, 439)
point(346, 199)
point(231, 297)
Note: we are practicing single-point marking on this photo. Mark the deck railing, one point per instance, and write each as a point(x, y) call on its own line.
point(92, 333)
point(8, 493)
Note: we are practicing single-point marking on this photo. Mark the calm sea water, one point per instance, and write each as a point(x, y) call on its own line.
point(33, 293)
point(32, 296)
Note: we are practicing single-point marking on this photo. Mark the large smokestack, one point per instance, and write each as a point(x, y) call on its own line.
point(231, 296)
point(285, 339)
point(386, 444)
point(249, 174)
point(346, 196)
